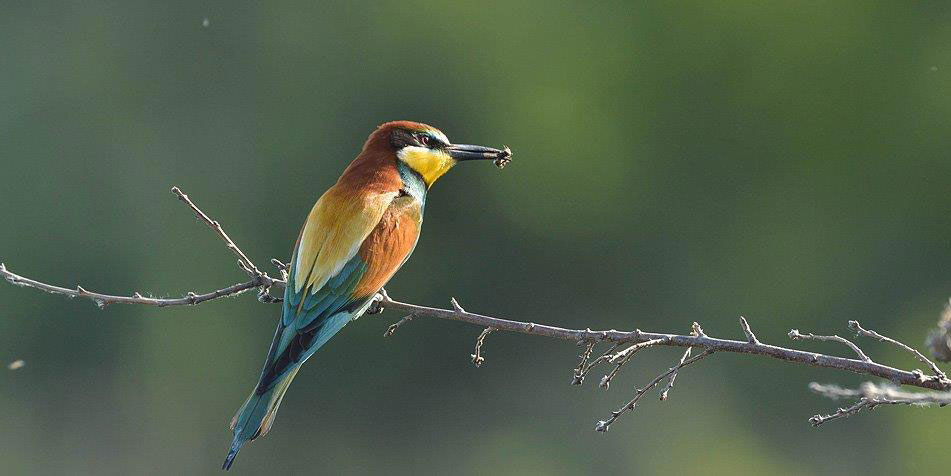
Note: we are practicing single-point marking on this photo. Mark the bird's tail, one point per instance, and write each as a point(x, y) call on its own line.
point(256, 416)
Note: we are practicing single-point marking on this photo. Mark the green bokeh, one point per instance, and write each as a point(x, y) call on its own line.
point(674, 161)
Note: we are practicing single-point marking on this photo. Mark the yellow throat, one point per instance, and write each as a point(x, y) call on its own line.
point(428, 163)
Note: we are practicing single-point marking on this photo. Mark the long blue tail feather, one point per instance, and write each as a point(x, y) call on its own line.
point(235, 447)
point(256, 416)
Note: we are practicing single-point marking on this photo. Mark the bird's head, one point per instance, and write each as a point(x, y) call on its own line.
point(426, 150)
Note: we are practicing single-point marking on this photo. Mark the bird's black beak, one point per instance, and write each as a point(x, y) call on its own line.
point(462, 152)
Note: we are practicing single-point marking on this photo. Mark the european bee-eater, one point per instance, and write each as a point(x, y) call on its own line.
point(356, 236)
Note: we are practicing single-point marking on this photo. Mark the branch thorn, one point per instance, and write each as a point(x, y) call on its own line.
point(750, 337)
point(456, 306)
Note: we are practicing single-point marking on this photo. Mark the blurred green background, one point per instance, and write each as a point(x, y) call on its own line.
point(674, 161)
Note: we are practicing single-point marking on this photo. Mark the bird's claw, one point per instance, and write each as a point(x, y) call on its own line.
point(376, 306)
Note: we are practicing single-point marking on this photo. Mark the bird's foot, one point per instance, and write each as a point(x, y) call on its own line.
point(376, 306)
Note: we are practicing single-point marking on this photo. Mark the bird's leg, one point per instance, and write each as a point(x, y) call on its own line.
point(376, 306)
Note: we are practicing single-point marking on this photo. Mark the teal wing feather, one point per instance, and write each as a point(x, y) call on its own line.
point(310, 319)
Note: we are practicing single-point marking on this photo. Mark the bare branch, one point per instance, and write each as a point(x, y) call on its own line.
point(939, 375)
point(631, 341)
point(103, 300)
point(700, 341)
point(259, 280)
point(605, 425)
point(794, 334)
point(477, 358)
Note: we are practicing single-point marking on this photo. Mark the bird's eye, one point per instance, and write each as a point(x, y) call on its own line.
point(425, 140)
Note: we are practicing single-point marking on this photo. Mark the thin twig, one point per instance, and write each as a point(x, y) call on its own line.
point(843, 412)
point(794, 334)
point(243, 259)
point(477, 358)
point(392, 329)
point(623, 357)
point(695, 330)
point(578, 377)
point(883, 394)
point(870, 396)
point(855, 326)
point(604, 425)
point(673, 376)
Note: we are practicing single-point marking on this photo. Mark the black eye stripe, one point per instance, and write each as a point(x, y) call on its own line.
point(404, 137)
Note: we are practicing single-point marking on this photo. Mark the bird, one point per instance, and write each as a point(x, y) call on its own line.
point(355, 238)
